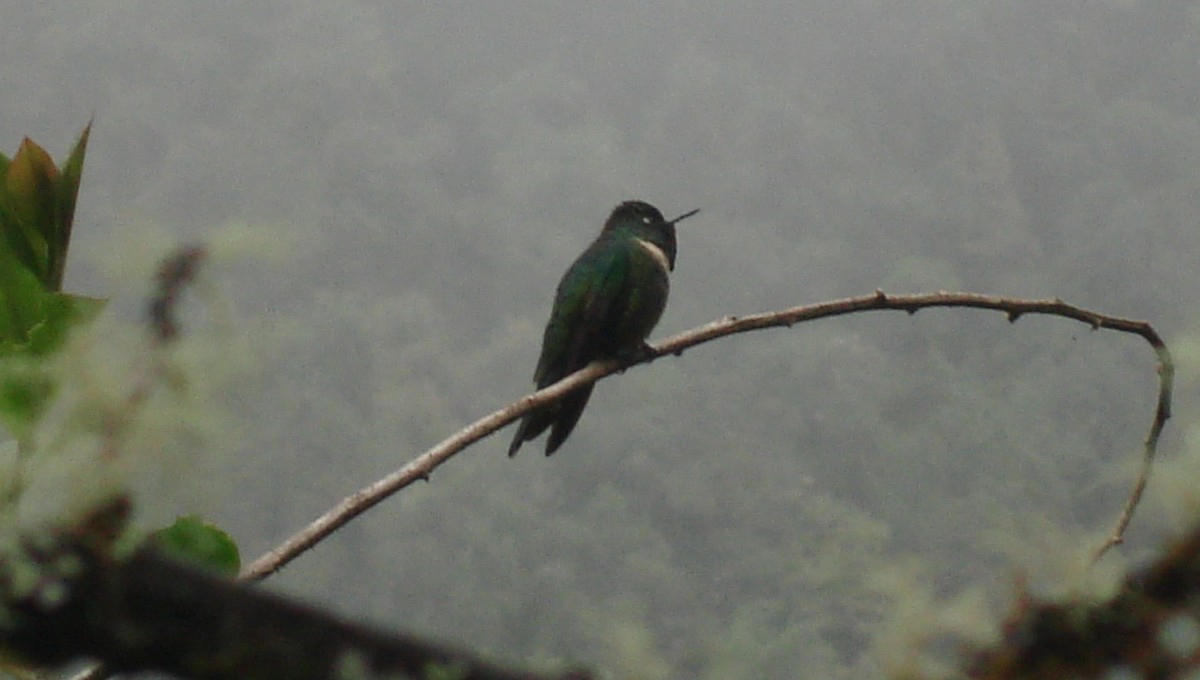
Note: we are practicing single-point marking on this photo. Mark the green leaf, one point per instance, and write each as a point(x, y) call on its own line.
point(24, 392)
point(64, 214)
point(21, 300)
point(37, 207)
point(32, 319)
point(196, 541)
point(61, 313)
point(17, 242)
point(29, 198)
point(26, 385)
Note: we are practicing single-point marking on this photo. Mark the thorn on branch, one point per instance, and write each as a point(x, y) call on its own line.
point(1013, 315)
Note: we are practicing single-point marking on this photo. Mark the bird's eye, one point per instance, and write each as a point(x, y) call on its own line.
point(646, 220)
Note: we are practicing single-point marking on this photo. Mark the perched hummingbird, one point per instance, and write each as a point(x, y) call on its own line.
point(605, 307)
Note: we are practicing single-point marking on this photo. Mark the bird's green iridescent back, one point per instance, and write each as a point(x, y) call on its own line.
point(606, 305)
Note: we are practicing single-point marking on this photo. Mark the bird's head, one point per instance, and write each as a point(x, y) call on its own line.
point(642, 220)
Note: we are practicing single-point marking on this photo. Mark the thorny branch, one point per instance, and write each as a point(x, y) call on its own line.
point(423, 465)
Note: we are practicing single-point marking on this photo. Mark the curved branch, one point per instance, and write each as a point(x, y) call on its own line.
point(422, 466)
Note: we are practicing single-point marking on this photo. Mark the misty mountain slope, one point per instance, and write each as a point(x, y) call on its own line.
point(425, 176)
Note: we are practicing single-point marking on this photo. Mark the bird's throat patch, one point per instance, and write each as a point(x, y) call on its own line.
point(657, 253)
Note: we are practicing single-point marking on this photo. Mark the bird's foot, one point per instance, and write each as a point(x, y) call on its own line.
point(637, 355)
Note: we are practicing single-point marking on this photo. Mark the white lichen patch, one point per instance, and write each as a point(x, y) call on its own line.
point(921, 626)
point(351, 666)
point(1122, 673)
point(130, 412)
point(1179, 636)
point(52, 594)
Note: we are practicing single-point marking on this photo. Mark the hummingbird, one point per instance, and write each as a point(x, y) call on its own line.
point(605, 306)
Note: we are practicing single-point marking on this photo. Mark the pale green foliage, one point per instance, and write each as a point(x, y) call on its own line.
point(919, 620)
point(127, 415)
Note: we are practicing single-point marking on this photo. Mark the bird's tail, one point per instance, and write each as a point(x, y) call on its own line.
point(562, 416)
point(569, 410)
point(534, 423)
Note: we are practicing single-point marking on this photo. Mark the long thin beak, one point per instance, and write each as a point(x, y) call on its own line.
point(685, 215)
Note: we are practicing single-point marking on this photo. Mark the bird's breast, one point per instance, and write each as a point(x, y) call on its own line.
point(656, 253)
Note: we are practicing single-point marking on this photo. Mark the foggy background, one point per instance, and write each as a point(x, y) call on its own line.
point(426, 171)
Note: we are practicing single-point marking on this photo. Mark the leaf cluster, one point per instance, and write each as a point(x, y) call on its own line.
point(37, 207)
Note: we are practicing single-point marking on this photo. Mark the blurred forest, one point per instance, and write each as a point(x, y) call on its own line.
point(763, 506)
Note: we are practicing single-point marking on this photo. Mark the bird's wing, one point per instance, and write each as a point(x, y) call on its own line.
point(588, 292)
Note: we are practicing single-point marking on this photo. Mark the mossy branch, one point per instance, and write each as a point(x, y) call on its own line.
point(65, 595)
point(421, 467)
point(1150, 628)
